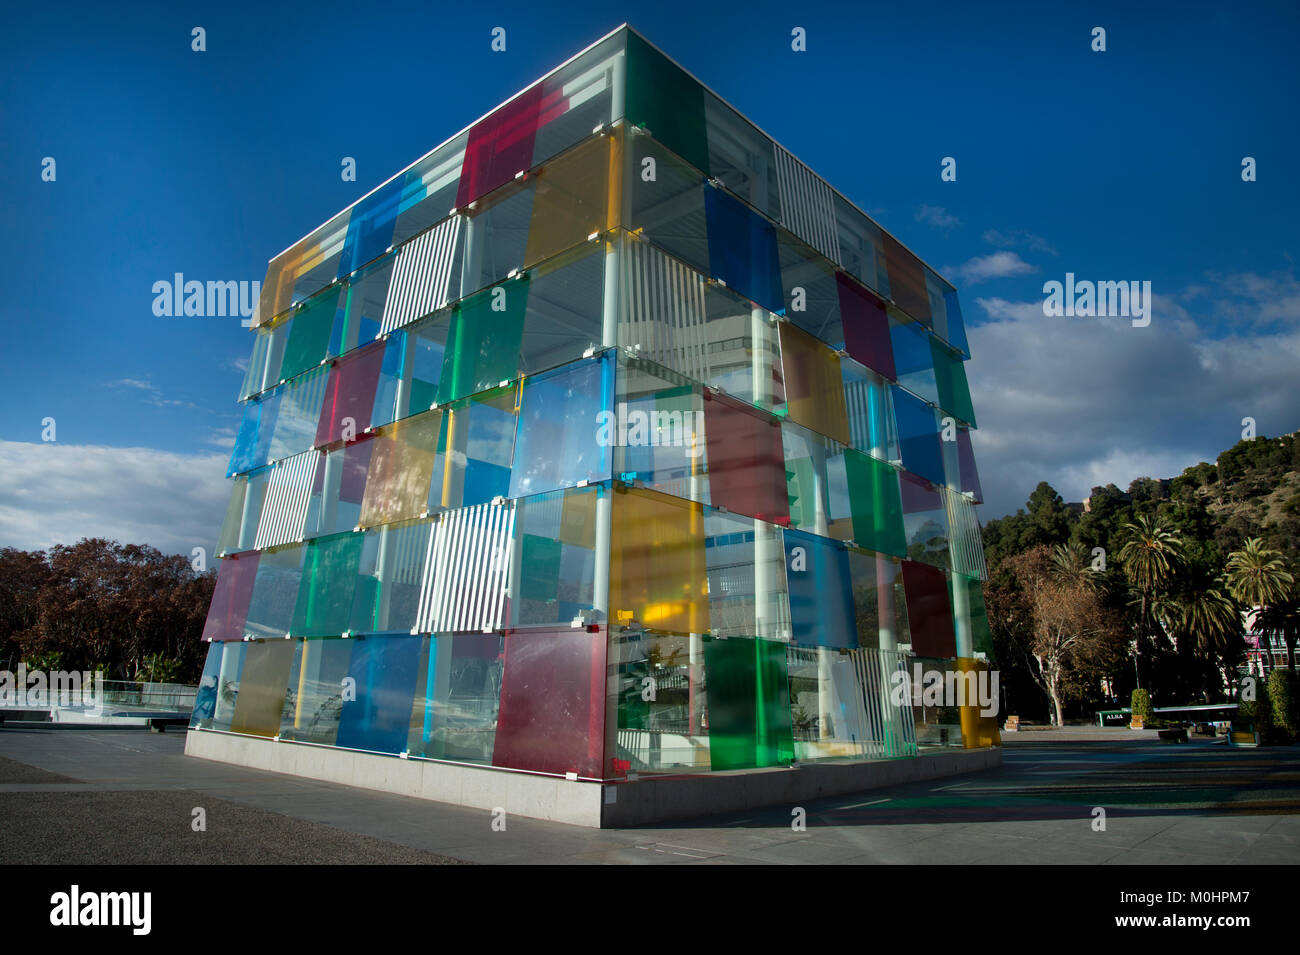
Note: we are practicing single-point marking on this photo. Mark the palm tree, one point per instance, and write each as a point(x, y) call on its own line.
point(1283, 619)
point(1257, 576)
point(1211, 618)
point(1151, 555)
point(1071, 565)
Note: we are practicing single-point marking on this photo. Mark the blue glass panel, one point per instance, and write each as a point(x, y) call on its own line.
point(370, 229)
point(821, 591)
point(253, 443)
point(913, 359)
point(385, 670)
point(743, 249)
point(918, 436)
point(956, 327)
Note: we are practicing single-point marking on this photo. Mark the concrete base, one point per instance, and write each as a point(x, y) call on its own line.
point(639, 802)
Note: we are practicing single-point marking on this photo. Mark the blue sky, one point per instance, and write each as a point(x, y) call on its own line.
point(1122, 165)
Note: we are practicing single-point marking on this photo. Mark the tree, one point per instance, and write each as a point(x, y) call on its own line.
point(1151, 554)
point(1071, 634)
point(1257, 576)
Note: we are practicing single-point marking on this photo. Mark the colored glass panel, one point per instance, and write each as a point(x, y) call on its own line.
point(929, 612)
point(665, 101)
point(262, 688)
point(876, 507)
point(253, 442)
point(484, 341)
point(866, 327)
point(918, 436)
point(970, 479)
point(554, 565)
point(500, 145)
point(743, 250)
point(907, 280)
point(749, 704)
point(401, 470)
point(746, 463)
point(324, 602)
point(658, 574)
point(821, 591)
point(370, 227)
point(950, 378)
point(552, 716)
point(814, 390)
point(349, 395)
point(309, 336)
point(230, 598)
point(385, 670)
point(574, 196)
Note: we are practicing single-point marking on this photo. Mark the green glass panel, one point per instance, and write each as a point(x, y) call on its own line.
point(749, 704)
point(981, 636)
point(484, 341)
point(664, 99)
point(950, 376)
point(541, 570)
point(324, 605)
point(875, 504)
point(309, 338)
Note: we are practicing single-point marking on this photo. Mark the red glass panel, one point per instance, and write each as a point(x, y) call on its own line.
point(230, 599)
point(501, 145)
point(552, 716)
point(746, 460)
point(929, 612)
point(350, 394)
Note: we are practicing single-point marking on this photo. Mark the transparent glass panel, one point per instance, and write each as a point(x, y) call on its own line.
point(747, 579)
point(969, 480)
point(495, 237)
point(564, 309)
point(660, 441)
point(364, 306)
point(475, 450)
point(336, 497)
point(862, 247)
point(429, 190)
point(390, 577)
point(314, 700)
point(301, 271)
point(299, 414)
point(811, 290)
point(458, 698)
point(741, 157)
point(879, 602)
point(670, 210)
point(869, 400)
point(669, 731)
point(275, 592)
point(925, 521)
point(218, 694)
point(567, 428)
point(553, 560)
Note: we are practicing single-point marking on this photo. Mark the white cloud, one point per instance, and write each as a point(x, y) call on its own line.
point(937, 216)
point(997, 265)
point(1079, 402)
point(59, 493)
point(1018, 239)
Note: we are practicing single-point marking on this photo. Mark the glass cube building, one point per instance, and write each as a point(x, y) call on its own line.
point(605, 438)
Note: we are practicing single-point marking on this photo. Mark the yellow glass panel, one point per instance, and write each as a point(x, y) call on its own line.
point(574, 196)
point(401, 467)
point(658, 575)
point(814, 390)
point(260, 702)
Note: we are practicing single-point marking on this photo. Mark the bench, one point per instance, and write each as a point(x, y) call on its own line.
point(1012, 724)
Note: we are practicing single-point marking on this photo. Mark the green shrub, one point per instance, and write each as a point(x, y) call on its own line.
point(1258, 712)
point(1141, 705)
point(1286, 702)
